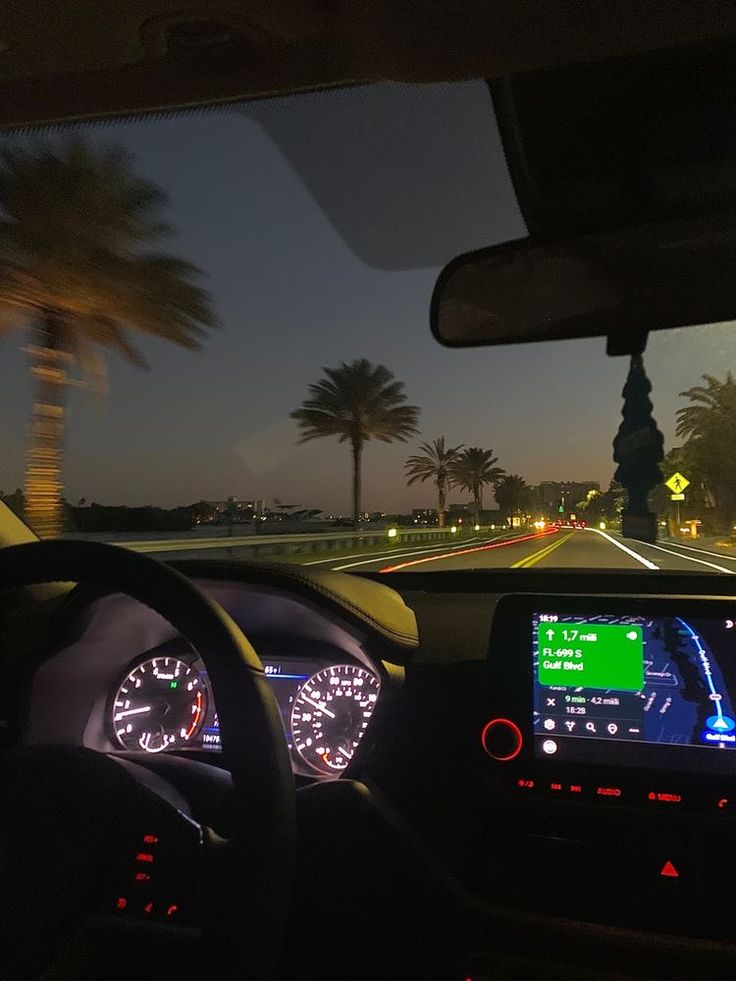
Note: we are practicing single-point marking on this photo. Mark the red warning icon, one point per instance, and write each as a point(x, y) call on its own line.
point(669, 871)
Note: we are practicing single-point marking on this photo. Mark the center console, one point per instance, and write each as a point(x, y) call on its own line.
point(610, 746)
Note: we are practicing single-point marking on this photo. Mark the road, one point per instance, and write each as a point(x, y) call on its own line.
point(563, 549)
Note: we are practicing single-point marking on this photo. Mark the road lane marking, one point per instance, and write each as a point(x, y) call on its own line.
point(535, 557)
point(467, 551)
point(418, 550)
point(689, 558)
point(704, 551)
point(625, 548)
point(414, 550)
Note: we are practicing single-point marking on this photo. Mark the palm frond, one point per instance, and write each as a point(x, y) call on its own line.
point(357, 401)
point(76, 225)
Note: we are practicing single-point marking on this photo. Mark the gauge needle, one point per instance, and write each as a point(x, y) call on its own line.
point(316, 705)
point(121, 715)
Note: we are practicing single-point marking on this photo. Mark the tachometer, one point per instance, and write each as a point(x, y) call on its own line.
point(160, 705)
point(331, 713)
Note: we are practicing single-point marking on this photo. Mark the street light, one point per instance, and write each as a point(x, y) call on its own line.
point(392, 532)
point(477, 527)
point(453, 530)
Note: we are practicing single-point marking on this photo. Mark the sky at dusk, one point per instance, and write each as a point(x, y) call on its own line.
point(322, 223)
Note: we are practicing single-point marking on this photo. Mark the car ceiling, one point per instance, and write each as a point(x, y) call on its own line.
point(75, 59)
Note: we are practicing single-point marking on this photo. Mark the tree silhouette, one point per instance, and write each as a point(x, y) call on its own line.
point(357, 402)
point(473, 470)
point(79, 273)
point(511, 493)
point(433, 463)
point(709, 427)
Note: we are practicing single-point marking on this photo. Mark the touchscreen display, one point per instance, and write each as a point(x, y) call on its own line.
point(617, 680)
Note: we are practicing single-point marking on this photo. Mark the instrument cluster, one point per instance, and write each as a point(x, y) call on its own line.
point(164, 703)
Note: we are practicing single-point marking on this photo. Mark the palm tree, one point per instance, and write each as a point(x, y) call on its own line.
point(357, 402)
point(434, 463)
point(709, 427)
point(473, 469)
point(511, 493)
point(712, 402)
point(78, 272)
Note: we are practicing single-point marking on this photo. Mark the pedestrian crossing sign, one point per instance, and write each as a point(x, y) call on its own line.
point(677, 483)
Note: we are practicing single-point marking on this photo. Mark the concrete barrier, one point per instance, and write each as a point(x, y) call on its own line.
point(261, 546)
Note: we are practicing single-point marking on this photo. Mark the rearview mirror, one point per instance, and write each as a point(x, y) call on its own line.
point(610, 283)
point(625, 173)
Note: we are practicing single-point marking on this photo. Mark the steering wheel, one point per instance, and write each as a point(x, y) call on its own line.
point(65, 812)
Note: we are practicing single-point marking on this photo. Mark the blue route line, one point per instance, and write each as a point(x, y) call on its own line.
point(706, 665)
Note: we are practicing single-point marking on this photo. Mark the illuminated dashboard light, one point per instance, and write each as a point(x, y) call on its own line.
point(144, 857)
point(669, 871)
point(664, 798)
point(122, 902)
point(501, 739)
point(608, 791)
point(150, 839)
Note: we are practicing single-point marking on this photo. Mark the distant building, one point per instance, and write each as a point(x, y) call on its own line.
point(568, 493)
point(234, 511)
point(424, 516)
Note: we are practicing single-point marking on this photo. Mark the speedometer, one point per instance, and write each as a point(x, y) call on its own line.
point(331, 713)
point(160, 704)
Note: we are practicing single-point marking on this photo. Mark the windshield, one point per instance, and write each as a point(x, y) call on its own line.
point(217, 343)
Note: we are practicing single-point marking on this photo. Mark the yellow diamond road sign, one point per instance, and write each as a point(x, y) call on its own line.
point(677, 483)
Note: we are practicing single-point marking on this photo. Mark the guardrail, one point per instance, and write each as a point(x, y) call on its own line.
point(252, 546)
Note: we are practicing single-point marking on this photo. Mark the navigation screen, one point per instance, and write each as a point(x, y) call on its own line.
point(667, 681)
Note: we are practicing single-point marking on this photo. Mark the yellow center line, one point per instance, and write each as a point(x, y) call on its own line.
point(541, 554)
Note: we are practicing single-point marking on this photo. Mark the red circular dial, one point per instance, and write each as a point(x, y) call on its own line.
point(501, 739)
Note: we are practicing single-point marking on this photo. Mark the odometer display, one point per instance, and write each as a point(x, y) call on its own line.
point(331, 713)
point(160, 704)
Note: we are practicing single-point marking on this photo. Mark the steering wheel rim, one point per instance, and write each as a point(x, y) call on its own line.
point(260, 858)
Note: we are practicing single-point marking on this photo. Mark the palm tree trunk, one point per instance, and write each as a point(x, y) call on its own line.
point(357, 447)
point(49, 363)
point(442, 493)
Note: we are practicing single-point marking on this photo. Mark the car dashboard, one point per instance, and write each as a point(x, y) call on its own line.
point(513, 796)
point(130, 684)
